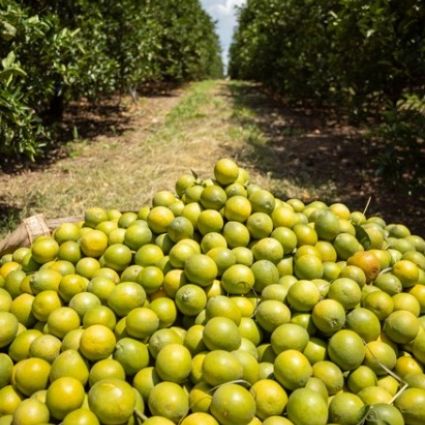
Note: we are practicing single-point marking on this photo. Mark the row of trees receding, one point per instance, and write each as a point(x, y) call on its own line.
point(368, 57)
point(53, 52)
point(344, 50)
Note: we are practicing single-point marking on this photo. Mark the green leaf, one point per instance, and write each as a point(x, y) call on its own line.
point(33, 20)
point(8, 31)
point(75, 134)
point(369, 33)
point(14, 71)
point(362, 236)
point(9, 60)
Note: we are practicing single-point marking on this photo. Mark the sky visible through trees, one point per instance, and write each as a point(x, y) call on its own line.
point(224, 12)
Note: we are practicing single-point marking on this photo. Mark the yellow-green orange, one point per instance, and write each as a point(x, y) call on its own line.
point(200, 269)
point(226, 171)
point(125, 296)
point(9, 326)
point(31, 375)
point(365, 323)
point(97, 342)
point(132, 354)
point(330, 374)
point(272, 313)
point(380, 354)
point(63, 396)
point(303, 295)
point(69, 363)
point(270, 398)
point(190, 299)
point(177, 401)
point(328, 316)
point(31, 412)
point(173, 363)
point(238, 279)
point(81, 416)
point(289, 336)
point(346, 408)
point(44, 249)
point(221, 333)
point(232, 404)
point(306, 407)
point(112, 400)
point(141, 322)
point(159, 218)
point(412, 405)
point(401, 327)
point(346, 349)
point(308, 267)
point(220, 366)
point(292, 369)
point(106, 369)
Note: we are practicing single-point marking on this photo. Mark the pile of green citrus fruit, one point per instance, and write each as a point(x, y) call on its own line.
point(218, 304)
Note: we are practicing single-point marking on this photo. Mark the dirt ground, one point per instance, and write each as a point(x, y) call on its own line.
point(122, 155)
point(333, 161)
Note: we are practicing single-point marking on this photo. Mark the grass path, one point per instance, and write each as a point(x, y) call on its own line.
point(292, 154)
point(167, 137)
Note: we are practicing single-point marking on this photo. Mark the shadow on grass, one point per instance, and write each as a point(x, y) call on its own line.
point(86, 121)
point(323, 156)
point(160, 88)
point(81, 121)
point(10, 217)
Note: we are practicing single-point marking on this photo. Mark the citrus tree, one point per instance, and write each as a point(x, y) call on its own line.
point(54, 53)
point(338, 49)
point(367, 57)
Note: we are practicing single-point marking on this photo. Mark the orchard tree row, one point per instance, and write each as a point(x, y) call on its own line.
point(53, 52)
point(369, 56)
